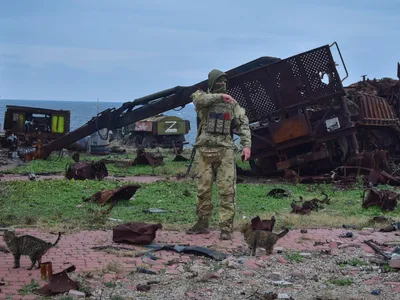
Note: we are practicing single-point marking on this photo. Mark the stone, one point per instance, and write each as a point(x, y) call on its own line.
point(248, 273)
point(275, 276)
point(282, 260)
point(298, 274)
point(333, 245)
point(282, 282)
point(368, 229)
point(76, 294)
point(284, 296)
point(394, 263)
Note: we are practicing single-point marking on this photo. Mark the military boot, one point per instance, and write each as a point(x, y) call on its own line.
point(200, 227)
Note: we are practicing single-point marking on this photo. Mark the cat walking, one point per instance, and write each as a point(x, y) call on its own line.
point(261, 238)
point(29, 245)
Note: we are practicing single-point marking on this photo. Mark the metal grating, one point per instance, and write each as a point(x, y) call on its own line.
point(318, 64)
point(237, 93)
point(259, 97)
point(288, 83)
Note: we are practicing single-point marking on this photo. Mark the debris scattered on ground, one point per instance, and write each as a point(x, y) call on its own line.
point(346, 235)
point(154, 211)
point(385, 199)
point(196, 250)
point(143, 287)
point(124, 192)
point(138, 233)
point(309, 205)
point(377, 250)
point(147, 158)
point(395, 226)
point(59, 283)
point(87, 170)
point(145, 271)
point(279, 193)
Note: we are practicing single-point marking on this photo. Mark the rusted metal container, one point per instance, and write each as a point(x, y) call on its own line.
point(46, 270)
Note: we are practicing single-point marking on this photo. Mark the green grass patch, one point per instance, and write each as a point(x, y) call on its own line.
point(294, 257)
point(341, 281)
point(58, 164)
point(56, 203)
point(29, 288)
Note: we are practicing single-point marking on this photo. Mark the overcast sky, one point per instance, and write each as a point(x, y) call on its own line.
point(118, 50)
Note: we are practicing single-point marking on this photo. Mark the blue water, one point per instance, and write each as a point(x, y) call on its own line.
point(81, 111)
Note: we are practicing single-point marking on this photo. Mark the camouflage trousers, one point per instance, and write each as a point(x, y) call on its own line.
point(217, 164)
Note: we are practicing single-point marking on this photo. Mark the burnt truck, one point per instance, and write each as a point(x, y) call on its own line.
point(301, 116)
point(29, 124)
point(157, 131)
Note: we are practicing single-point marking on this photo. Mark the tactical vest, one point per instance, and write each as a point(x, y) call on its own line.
point(219, 119)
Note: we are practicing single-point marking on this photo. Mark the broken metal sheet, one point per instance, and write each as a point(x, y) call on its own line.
point(279, 193)
point(59, 283)
point(196, 250)
point(146, 158)
point(267, 225)
point(124, 192)
point(137, 233)
point(84, 170)
point(385, 199)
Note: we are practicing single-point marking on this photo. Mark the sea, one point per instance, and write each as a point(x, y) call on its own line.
point(83, 111)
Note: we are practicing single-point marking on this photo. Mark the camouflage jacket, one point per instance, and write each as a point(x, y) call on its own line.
point(209, 102)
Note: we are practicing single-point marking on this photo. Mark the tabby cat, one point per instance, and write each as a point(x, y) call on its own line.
point(29, 245)
point(261, 238)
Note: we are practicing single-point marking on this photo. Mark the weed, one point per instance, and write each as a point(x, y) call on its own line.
point(117, 298)
point(28, 288)
point(357, 262)
point(110, 284)
point(341, 281)
point(113, 266)
point(386, 268)
point(295, 257)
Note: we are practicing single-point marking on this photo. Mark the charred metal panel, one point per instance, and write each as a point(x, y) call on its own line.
point(375, 110)
point(300, 80)
point(288, 129)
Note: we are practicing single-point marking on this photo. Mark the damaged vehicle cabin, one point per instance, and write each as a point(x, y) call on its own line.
point(27, 126)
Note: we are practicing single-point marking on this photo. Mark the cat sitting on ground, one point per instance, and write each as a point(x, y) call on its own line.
point(29, 245)
point(260, 238)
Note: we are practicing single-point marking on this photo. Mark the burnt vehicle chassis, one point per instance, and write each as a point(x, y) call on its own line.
point(375, 109)
point(298, 113)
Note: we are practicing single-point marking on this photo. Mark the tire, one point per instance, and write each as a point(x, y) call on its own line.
point(149, 142)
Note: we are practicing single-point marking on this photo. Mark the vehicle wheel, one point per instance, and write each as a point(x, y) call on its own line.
point(137, 141)
point(148, 142)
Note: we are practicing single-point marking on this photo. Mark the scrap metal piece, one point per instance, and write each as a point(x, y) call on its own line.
point(124, 192)
point(385, 199)
point(196, 250)
point(135, 233)
point(59, 283)
point(279, 193)
point(377, 250)
point(84, 170)
point(147, 158)
point(309, 205)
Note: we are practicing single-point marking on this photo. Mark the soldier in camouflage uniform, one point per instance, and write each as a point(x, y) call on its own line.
point(220, 116)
